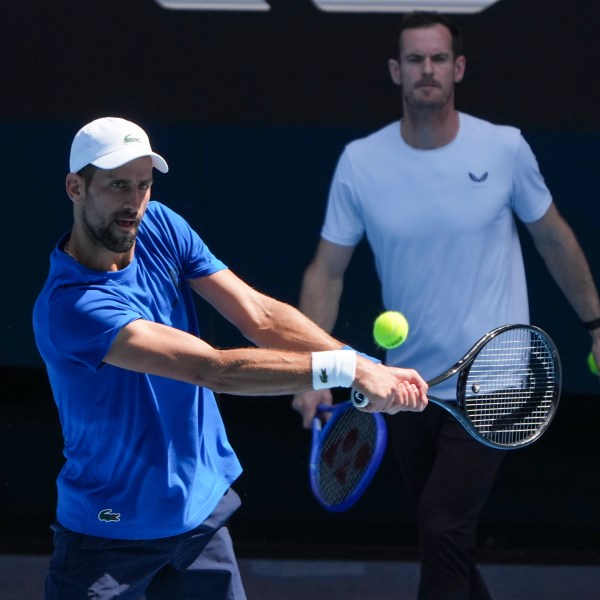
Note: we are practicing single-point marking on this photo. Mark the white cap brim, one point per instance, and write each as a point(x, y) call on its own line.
point(120, 157)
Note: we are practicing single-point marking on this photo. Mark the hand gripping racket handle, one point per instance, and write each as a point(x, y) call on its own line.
point(358, 399)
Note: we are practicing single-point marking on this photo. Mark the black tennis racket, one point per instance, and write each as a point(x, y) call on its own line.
point(346, 452)
point(508, 387)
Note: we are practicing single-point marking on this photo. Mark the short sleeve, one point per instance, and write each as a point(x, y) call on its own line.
point(343, 222)
point(531, 197)
point(83, 323)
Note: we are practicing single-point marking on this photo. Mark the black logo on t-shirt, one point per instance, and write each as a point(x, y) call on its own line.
point(478, 179)
point(109, 516)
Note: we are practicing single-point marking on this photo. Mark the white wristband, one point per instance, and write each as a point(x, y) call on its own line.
point(333, 368)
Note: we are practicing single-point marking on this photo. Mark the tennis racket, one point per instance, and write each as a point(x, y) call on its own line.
point(508, 387)
point(346, 452)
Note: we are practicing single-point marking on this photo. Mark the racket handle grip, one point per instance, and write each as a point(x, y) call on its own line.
point(358, 399)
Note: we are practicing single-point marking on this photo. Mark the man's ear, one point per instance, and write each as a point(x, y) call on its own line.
point(394, 68)
point(459, 69)
point(75, 186)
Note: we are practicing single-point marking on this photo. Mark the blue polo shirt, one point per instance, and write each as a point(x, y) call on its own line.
point(146, 456)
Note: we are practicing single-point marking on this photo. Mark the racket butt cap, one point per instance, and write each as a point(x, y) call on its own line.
point(359, 399)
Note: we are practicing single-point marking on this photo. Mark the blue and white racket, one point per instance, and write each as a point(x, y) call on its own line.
point(346, 452)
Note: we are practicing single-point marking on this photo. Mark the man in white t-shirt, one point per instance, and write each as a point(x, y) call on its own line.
point(436, 195)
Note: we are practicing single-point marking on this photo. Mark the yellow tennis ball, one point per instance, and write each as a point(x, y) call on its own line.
point(390, 329)
point(592, 364)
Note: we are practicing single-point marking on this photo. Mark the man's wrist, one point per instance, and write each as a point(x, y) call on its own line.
point(591, 325)
point(333, 368)
point(371, 358)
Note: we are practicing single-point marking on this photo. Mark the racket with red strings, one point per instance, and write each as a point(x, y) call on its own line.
point(347, 448)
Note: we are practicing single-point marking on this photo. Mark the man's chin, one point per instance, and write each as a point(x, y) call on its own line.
point(120, 246)
point(431, 103)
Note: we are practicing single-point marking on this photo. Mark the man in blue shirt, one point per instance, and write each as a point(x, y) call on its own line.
point(145, 491)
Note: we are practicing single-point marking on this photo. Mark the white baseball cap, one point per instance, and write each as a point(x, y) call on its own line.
point(110, 142)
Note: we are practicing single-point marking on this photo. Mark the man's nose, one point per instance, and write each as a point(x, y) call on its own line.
point(427, 66)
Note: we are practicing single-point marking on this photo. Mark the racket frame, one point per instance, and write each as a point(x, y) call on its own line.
point(458, 408)
point(319, 434)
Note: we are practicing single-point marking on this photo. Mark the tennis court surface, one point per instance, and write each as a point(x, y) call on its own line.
point(22, 577)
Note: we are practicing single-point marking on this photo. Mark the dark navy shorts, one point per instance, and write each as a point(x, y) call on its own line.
point(196, 564)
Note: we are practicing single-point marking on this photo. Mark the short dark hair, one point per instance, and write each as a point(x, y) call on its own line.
point(423, 18)
point(87, 173)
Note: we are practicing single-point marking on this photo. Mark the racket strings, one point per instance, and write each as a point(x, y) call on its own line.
point(512, 387)
point(346, 451)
